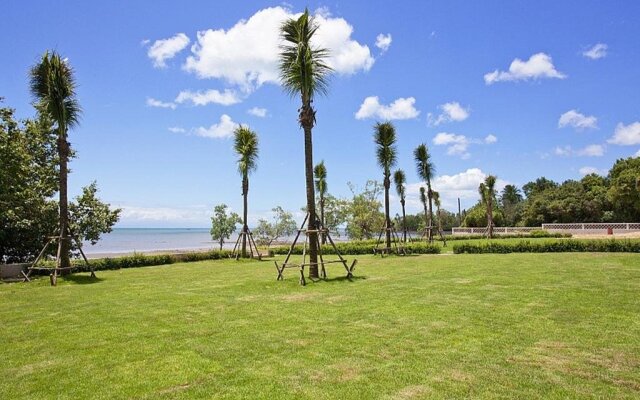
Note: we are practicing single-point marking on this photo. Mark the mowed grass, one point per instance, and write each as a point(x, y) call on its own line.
point(447, 326)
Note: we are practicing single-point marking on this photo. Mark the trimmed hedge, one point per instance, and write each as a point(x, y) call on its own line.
point(561, 246)
point(361, 247)
point(532, 234)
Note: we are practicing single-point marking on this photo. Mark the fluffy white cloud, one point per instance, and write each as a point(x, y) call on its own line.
point(458, 144)
point(637, 154)
point(626, 135)
point(452, 111)
point(176, 129)
point(597, 51)
point(383, 42)
point(537, 66)
point(402, 108)
point(592, 150)
point(151, 102)
point(591, 170)
point(463, 185)
point(577, 120)
point(490, 139)
point(165, 49)
point(257, 112)
point(226, 98)
point(247, 54)
point(223, 129)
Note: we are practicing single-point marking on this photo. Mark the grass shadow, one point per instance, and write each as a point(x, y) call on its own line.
point(82, 279)
point(341, 279)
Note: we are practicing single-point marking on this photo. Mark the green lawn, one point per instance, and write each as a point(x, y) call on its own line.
point(446, 326)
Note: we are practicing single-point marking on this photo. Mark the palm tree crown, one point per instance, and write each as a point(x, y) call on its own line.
point(399, 179)
point(424, 165)
point(246, 146)
point(436, 199)
point(385, 138)
point(423, 195)
point(53, 84)
point(487, 189)
point(302, 67)
point(320, 173)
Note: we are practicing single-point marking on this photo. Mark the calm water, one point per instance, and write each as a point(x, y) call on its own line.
point(128, 240)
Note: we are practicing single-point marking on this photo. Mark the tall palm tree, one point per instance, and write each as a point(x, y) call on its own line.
point(399, 179)
point(304, 72)
point(384, 136)
point(320, 173)
point(487, 192)
point(246, 146)
point(54, 87)
point(423, 200)
point(426, 171)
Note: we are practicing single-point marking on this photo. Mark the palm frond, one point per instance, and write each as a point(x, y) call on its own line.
point(245, 145)
point(384, 137)
point(436, 199)
point(320, 175)
point(424, 165)
point(399, 179)
point(423, 196)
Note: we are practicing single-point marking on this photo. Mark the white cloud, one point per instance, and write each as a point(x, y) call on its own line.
point(637, 154)
point(151, 102)
point(402, 108)
point(176, 129)
point(226, 98)
point(592, 150)
point(258, 112)
point(626, 135)
point(383, 42)
point(247, 54)
point(463, 185)
point(577, 120)
point(458, 144)
point(538, 66)
point(597, 51)
point(165, 49)
point(223, 129)
point(591, 170)
point(490, 139)
point(452, 111)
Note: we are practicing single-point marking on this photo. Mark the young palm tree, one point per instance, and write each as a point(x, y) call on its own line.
point(423, 200)
point(303, 72)
point(246, 146)
point(385, 138)
point(320, 173)
point(53, 85)
point(426, 170)
point(487, 196)
point(436, 202)
point(399, 179)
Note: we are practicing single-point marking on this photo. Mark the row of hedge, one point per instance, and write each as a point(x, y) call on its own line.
point(362, 247)
point(561, 246)
point(533, 235)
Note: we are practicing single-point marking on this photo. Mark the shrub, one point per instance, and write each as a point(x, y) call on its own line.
point(562, 246)
point(361, 247)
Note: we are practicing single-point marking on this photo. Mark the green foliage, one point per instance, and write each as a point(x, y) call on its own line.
point(624, 192)
point(364, 218)
point(560, 246)
point(336, 213)
point(476, 217)
point(511, 203)
point(90, 217)
point(384, 136)
point(400, 180)
point(424, 165)
point(245, 144)
point(223, 225)
point(283, 225)
point(320, 175)
point(362, 247)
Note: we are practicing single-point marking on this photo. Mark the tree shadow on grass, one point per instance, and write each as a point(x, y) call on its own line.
point(82, 279)
point(341, 279)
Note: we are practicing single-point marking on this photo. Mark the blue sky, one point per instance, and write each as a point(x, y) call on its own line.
point(518, 89)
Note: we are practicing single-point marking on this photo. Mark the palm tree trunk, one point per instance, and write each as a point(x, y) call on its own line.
point(404, 222)
point(64, 243)
point(387, 220)
point(245, 228)
point(311, 201)
point(324, 234)
point(490, 219)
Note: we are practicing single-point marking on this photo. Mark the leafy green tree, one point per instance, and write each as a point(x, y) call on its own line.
point(511, 204)
point(400, 180)
point(476, 217)
point(538, 186)
point(53, 86)
point(246, 147)
point(223, 225)
point(336, 211)
point(426, 171)
point(320, 174)
point(385, 138)
point(90, 217)
point(283, 225)
point(364, 217)
point(623, 193)
point(304, 72)
point(487, 191)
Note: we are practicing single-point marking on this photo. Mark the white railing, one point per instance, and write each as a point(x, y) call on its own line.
point(594, 227)
point(502, 230)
